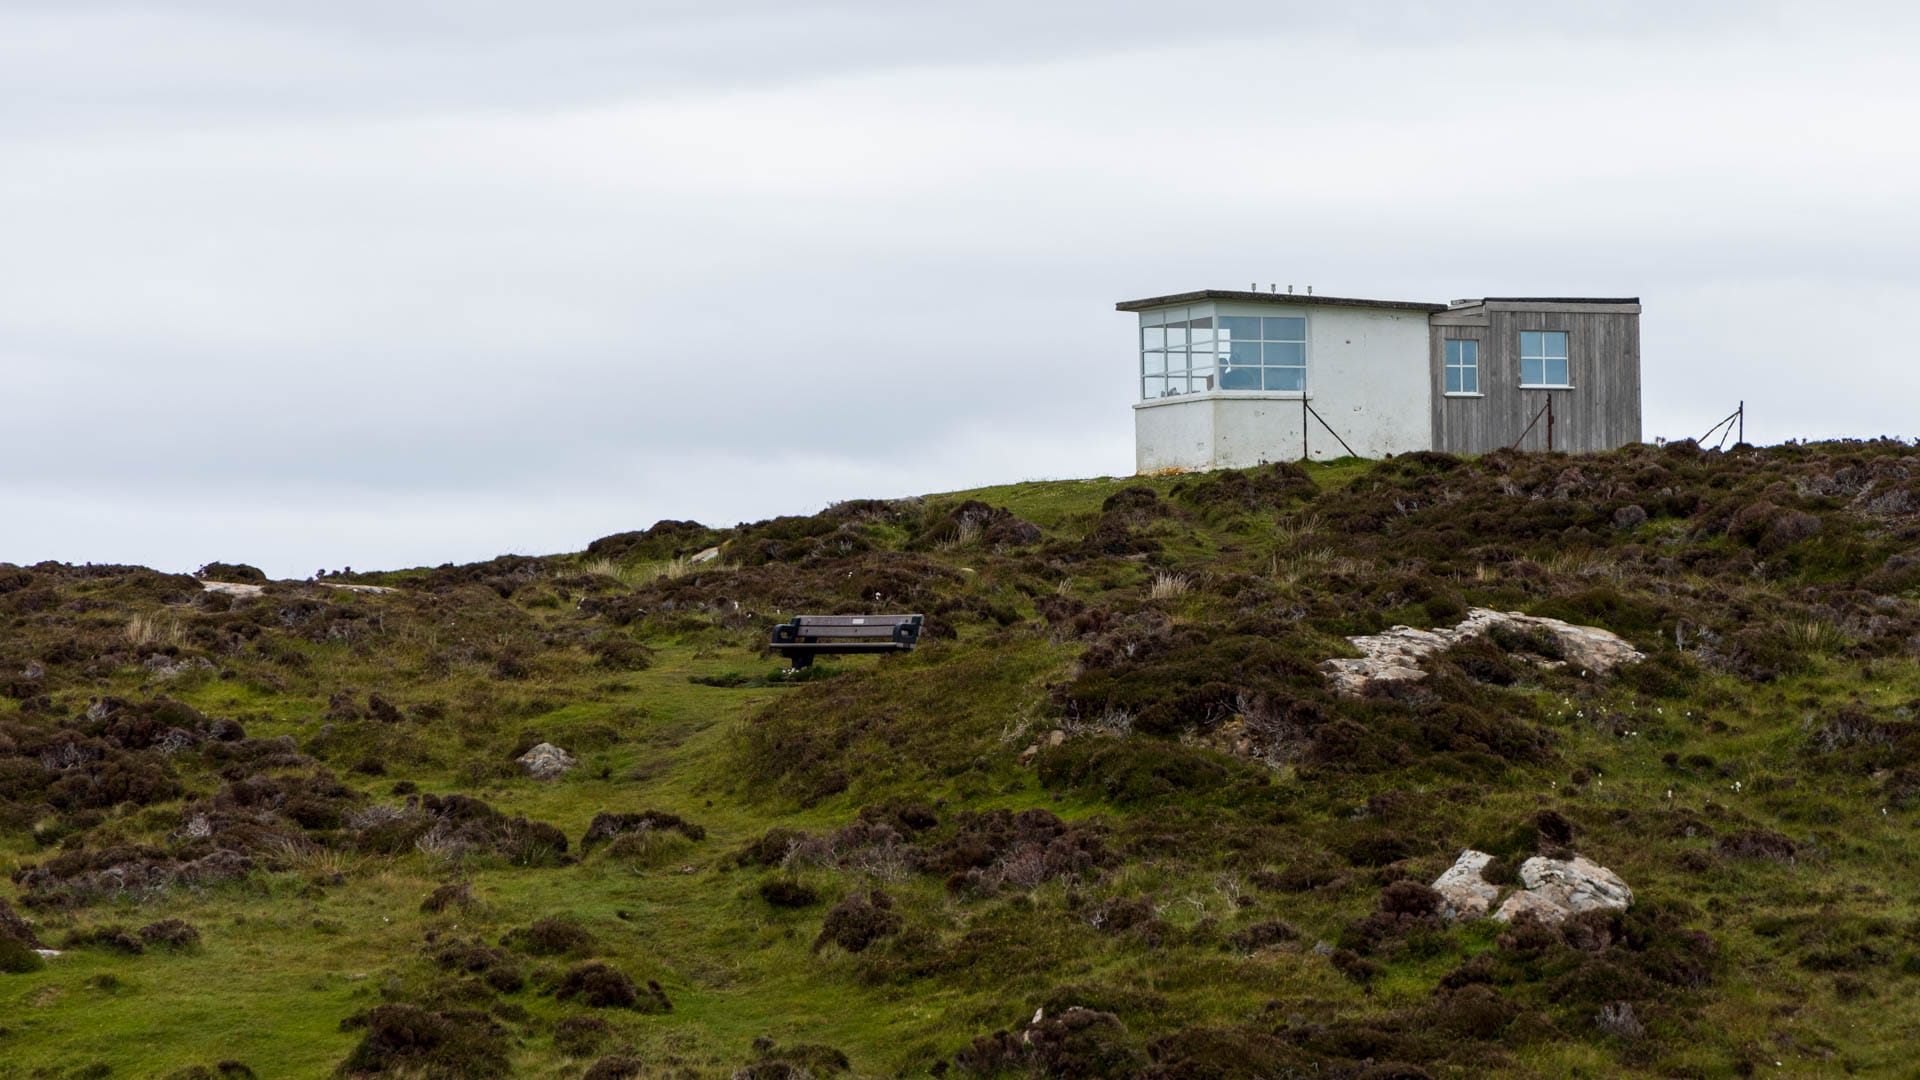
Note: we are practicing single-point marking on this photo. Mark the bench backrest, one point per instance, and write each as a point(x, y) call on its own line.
point(904, 629)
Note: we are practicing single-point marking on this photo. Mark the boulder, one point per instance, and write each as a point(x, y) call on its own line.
point(1556, 888)
point(1395, 654)
point(1550, 889)
point(1464, 893)
point(547, 762)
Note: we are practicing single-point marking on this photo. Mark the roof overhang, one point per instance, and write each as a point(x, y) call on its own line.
point(1272, 298)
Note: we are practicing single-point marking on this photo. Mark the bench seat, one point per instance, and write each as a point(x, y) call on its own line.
point(806, 636)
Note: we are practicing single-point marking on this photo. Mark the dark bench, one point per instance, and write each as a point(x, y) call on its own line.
point(807, 636)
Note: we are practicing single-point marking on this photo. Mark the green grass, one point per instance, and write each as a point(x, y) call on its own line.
point(710, 730)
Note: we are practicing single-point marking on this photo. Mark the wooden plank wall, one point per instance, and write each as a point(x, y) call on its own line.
point(1600, 412)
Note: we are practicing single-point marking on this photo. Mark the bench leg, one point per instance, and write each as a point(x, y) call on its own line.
point(803, 659)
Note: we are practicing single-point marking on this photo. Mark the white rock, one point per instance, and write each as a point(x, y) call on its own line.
point(547, 762)
point(1556, 888)
point(706, 556)
point(1395, 655)
point(1464, 892)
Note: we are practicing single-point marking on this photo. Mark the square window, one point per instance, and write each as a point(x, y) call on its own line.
point(1543, 358)
point(1239, 328)
point(1291, 328)
point(1288, 379)
point(1285, 354)
point(1240, 378)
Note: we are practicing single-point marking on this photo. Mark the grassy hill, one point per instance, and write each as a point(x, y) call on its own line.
point(285, 834)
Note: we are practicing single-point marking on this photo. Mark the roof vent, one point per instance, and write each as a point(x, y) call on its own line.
point(1468, 302)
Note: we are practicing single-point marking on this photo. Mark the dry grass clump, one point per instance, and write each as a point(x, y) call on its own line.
point(1169, 586)
point(158, 630)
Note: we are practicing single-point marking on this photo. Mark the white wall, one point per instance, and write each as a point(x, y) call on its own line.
point(1367, 375)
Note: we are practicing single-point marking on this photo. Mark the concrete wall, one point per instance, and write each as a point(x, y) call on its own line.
point(1367, 375)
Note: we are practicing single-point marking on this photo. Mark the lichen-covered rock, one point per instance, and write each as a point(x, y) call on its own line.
point(1464, 893)
point(1553, 889)
point(1395, 655)
point(547, 762)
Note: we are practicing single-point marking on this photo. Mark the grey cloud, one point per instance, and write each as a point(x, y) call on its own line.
point(404, 282)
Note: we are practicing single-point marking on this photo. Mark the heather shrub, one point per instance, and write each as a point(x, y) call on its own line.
point(858, 921)
point(554, 935)
point(601, 986)
point(401, 1039)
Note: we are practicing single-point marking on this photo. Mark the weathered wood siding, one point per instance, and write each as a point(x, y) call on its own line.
point(1600, 411)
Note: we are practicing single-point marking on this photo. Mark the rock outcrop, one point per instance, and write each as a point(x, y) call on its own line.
point(547, 762)
point(1556, 888)
point(1395, 655)
point(1550, 889)
point(1464, 893)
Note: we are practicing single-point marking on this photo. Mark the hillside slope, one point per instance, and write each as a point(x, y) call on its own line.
point(285, 834)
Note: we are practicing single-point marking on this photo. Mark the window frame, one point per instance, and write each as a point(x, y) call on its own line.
point(1209, 353)
point(1453, 358)
point(1546, 357)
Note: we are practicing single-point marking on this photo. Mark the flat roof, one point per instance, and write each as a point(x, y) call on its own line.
point(1275, 298)
point(1558, 300)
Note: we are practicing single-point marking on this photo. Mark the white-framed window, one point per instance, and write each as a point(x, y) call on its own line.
point(1463, 366)
point(1177, 351)
point(1263, 353)
point(1543, 358)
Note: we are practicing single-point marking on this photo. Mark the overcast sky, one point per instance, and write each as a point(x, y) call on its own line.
point(400, 282)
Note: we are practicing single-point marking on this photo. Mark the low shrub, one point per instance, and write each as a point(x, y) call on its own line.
point(554, 935)
point(601, 986)
point(403, 1040)
point(578, 1036)
point(17, 957)
point(1131, 771)
point(788, 893)
point(171, 934)
point(858, 921)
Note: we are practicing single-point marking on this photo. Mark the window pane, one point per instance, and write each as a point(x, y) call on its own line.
point(1286, 378)
point(1469, 352)
point(1201, 382)
point(1177, 334)
point(1453, 379)
point(1532, 371)
point(1240, 378)
point(1469, 380)
point(1453, 353)
point(1153, 318)
point(1555, 343)
point(1557, 371)
point(1531, 343)
point(1285, 355)
point(1176, 359)
point(1153, 337)
point(1289, 329)
point(1153, 363)
point(1239, 328)
point(1244, 354)
point(1152, 388)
